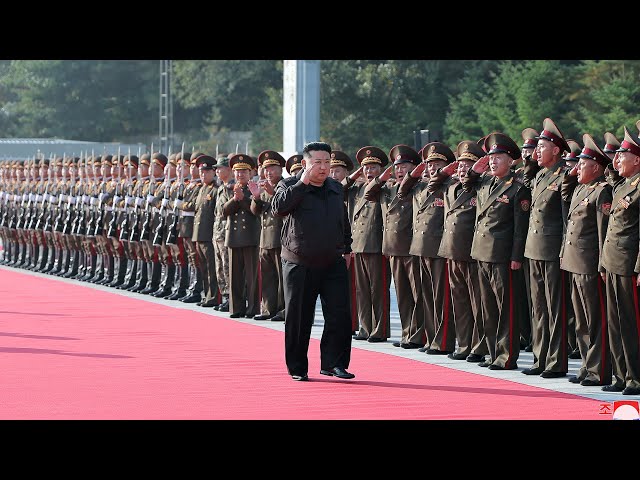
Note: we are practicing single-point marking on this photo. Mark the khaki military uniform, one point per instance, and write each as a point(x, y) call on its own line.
point(203, 236)
point(502, 217)
point(619, 251)
point(587, 221)
point(549, 286)
point(370, 298)
point(219, 234)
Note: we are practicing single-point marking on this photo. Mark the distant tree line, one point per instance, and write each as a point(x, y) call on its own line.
point(363, 102)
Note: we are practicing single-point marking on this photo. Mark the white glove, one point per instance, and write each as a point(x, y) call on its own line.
point(52, 199)
point(104, 196)
point(63, 198)
point(139, 201)
point(25, 197)
point(128, 200)
point(178, 203)
point(31, 197)
point(45, 197)
point(71, 200)
point(38, 198)
point(85, 198)
point(93, 200)
point(165, 202)
point(150, 198)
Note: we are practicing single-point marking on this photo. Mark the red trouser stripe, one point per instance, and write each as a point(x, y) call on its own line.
point(603, 330)
point(511, 315)
point(385, 293)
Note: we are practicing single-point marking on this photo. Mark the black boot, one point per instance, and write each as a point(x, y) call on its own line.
point(141, 276)
point(108, 268)
point(167, 281)
point(120, 273)
point(181, 283)
point(57, 261)
point(91, 270)
point(64, 264)
point(82, 265)
point(73, 264)
point(195, 286)
point(153, 280)
point(99, 272)
point(129, 276)
point(51, 258)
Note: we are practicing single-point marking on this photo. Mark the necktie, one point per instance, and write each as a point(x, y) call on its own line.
point(494, 183)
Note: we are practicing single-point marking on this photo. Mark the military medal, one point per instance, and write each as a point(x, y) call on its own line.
point(503, 199)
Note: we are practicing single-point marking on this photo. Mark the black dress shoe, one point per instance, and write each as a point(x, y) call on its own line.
point(423, 349)
point(410, 345)
point(300, 378)
point(457, 356)
point(533, 371)
point(223, 307)
point(631, 391)
point(396, 344)
point(262, 317)
point(475, 358)
point(484, 364)
point(376, 339)
point(337, 372)
point(209, 304)
point(575, 379)
point(191, 299)
point(277, 318)
point(236, 315)
point(435, 351)
point(575, 355)
point(359, 337)
point(493, 366)
point(589, 383)
point(612, 388)
point(548, 374)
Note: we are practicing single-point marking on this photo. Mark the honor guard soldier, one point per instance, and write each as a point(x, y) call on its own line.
point(136, 218)
point(187, 206)
point(397, 215)
point(154, 199)
point(126, 220)
point(203, 231)
point(112, 226)
point(462, 270)
point(611, 144)
point(371, 297)
point(225, 183)
point(502, 216)
point(589, 198)
point(242, 238)
point(618, 254)
point(549, 287)
point(103, 213)
point(271, 289)
point(428, 225)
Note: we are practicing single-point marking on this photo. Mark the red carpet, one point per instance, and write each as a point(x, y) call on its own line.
point(68, 351)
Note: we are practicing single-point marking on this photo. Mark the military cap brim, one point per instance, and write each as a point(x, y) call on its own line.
point(592, 151)
point(500, 143)
point(631, 143)
point(372, 155)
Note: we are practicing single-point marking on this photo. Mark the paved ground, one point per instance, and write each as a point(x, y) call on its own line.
point(525, 360)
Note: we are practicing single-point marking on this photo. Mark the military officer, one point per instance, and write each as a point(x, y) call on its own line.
point(371, 299)
point(587, 220)
point(611, 144)
point(293, 164)
point(271, 288)
point(544, 239)
point(502, 216)
point(143, 253)
point(242, 238)
point(225, 183)
point(428, 226)
point(397, 212)
point(203, 230)
point(457, 237)
point(618, 254)
point(341, 165)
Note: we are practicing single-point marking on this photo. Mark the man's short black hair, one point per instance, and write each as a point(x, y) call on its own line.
point(314, 147)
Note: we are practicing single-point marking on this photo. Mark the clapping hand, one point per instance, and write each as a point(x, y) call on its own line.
point(481, 165)
point(254, 188)
point(238, 194)
point(267, 187)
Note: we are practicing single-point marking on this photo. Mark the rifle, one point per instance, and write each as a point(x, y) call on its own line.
point(23, 208)
point(50, 198)
point(172, 236)
point(159, 231)
point(145, 234)
point(99, 212)
point(79, 227)
point(67, 227)
point(124, 227)
point(113, 223)
point(31, 208)
point(14, 204)
point(5, 196)
point(45, 200)
point(58, 225)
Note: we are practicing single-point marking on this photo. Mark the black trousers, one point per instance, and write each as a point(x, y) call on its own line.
point(302, 285)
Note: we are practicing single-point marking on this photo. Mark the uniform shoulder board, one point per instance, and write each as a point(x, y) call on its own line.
point(603, 184)
point(518, 179)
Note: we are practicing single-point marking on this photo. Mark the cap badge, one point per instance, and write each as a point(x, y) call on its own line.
point(368, 152)
point(266, 155)
point(398, 157)
point(240, 157)
point(333, 155)
point(494, 146)
point(432, 149)
point(466, 147)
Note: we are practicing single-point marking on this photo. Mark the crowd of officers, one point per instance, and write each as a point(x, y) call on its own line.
point(492, 247)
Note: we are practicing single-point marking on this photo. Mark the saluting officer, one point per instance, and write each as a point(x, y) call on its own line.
point(371, 299)
point(242, 238)
point(544, 239)
point(502, 217)
point(587, 221)
point(618, 254)
point(457, 237)
point(428, 225)
point(397, 214)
